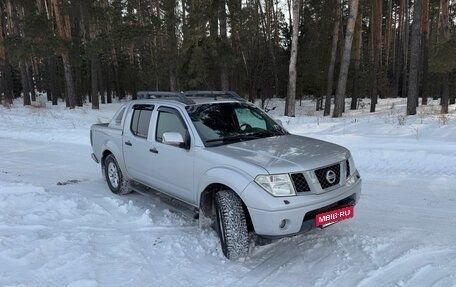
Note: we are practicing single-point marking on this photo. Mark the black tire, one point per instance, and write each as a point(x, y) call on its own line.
point(116, 181)
point(231, 225)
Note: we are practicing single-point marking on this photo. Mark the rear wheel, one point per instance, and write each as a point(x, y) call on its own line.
point(116, 181)
point(231, 225)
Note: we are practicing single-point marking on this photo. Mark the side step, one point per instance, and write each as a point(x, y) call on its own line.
point(174, 204)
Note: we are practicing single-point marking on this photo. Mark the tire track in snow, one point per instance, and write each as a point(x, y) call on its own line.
point(407, 266)
point(273, 259)
point(266, 268)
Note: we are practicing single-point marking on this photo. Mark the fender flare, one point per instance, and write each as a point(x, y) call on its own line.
point(112, 148)
point(224, 175)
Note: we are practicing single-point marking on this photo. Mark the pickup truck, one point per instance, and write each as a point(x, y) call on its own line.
point(240, 170)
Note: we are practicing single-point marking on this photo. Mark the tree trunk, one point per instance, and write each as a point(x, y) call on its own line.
point(224, 81)
point(412, 97)
point(14, 30)
point(55, 87)
point(453, 95)
point(332, 63)
point(94, 82)
point(444, 36)
point(120, 92)
point(8, 82)
point(405, 49)
point(171, 23)
point(25, 83)
point(425, 49)
point(69, 82)
point(2, 79)
point(234, 17)
point(48, 83)
point(445, 93)
point(101, 81)
point(108, 80)
point(31, 83)
point(2, 60)
point(291, 92)
point(357, 54)
point(342, 84)
point(5, 67)
point(266, 19)
point(399, 51)
point(62, 23)
point(389, 27)
point(377, 51)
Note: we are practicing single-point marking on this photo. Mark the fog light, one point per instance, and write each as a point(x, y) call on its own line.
point(352, 179)
point(283, 223)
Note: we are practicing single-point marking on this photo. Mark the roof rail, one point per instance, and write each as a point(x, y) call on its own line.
point(185, 97)
point(164, 95)
point(214, 94)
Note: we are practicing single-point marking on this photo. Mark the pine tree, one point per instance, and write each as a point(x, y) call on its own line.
point(444, 37)
point(414, 59)
point(342, 83)
point(291, 93)
point(332, 63)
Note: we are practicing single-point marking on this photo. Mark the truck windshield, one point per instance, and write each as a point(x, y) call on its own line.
point(225, 123)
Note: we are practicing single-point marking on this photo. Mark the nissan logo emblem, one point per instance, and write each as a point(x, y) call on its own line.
point(331, 176)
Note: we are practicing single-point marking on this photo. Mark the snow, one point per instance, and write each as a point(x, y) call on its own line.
point(60, 225)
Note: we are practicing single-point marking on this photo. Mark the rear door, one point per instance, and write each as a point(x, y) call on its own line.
point(136, 146)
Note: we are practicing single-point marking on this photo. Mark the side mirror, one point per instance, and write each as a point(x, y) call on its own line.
point(173, 138)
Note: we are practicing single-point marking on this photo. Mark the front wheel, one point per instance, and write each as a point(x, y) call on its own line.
point(116, 182)
point(231, 225)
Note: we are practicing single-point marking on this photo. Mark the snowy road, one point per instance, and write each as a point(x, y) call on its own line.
point(60, 225)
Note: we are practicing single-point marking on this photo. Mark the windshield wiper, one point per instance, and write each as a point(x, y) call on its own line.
point(235, 138)
point(250, 136)
point(268, 134)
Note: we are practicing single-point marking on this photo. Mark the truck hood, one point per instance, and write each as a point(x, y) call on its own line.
point(285, 154)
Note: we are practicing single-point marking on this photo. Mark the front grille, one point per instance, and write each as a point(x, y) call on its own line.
point(300, 182)
point(347, 169)
point(328, 176)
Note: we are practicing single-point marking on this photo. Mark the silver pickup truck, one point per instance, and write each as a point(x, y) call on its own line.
point(240, 170)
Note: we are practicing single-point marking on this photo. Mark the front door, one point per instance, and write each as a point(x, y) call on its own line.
point(174, 172)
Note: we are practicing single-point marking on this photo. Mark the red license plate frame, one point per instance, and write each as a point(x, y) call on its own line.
point(333, 216)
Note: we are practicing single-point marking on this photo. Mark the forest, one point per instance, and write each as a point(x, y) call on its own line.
point(96, 50)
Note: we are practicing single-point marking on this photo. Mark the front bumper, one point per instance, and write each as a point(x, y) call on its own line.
point(268, 213)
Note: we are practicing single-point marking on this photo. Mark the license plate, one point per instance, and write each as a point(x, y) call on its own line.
point(333, 216)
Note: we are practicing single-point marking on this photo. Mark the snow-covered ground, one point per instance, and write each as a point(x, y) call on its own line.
point(61, 226)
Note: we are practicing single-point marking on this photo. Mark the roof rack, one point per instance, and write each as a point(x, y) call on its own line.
point(215, 94)
point(164, 95)
point(185, 97)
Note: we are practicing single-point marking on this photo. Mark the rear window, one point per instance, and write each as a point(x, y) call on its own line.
point(141, 120)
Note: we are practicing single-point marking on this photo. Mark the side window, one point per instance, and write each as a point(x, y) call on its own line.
point(141, 120)
point(169, 120)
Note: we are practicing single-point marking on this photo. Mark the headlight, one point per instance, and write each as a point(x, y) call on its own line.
point(276, 184)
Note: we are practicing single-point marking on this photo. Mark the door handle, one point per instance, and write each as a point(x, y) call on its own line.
point(154, 150)
point(128, 143)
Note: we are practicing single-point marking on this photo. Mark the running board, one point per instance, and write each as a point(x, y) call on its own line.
point(174, 204)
